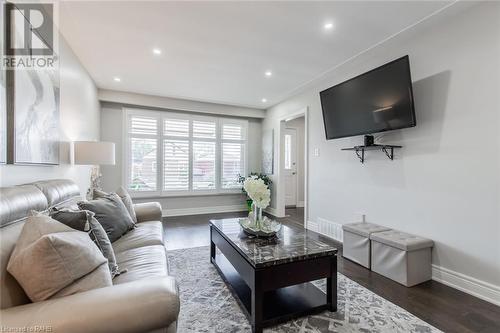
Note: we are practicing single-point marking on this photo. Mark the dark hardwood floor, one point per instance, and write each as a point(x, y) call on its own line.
point(446, 308)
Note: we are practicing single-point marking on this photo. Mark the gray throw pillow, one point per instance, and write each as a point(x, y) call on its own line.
point(83, 220)
point(126, 199)
point(111, 213)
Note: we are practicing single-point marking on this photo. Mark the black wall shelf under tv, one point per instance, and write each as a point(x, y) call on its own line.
point(387, 149)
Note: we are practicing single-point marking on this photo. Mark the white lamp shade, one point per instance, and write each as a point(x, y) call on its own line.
point(94, 153)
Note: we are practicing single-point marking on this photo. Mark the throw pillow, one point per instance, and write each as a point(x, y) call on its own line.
point(83, 220)
point(49, 257)
point(111, 213)
point(127, 201)
point(124, 196)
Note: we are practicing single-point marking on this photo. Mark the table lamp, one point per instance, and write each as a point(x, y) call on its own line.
point(94, 153)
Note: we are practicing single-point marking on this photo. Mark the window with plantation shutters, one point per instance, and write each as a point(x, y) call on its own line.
point(142, 155)
point(232, 164)
point(175, 165)
point(203, 165)
point(181, 154)
point(233, 146)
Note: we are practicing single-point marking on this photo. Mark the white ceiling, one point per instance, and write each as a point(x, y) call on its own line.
point(219, 51)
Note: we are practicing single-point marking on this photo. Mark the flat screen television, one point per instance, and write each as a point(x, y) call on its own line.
point(376, 101)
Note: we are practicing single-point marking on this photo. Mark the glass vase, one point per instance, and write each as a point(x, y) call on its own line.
point(257, 215)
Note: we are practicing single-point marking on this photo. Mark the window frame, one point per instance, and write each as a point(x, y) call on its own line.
point(160, 137)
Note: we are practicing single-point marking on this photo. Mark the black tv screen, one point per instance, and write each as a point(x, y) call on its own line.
point(377, 101)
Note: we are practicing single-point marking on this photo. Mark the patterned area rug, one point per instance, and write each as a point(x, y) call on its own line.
point(207, 305)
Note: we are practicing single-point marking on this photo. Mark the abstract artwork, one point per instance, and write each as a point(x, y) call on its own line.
point(268, 152)
point(36, 117)
point(3, 102)
point(32, 92)
point(3, 119)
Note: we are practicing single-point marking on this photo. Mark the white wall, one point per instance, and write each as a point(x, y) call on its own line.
point(111, 130)
point(299, 125)
point(444, 183)
point(79, 120)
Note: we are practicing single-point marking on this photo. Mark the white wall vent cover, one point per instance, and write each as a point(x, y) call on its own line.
point(327, 228)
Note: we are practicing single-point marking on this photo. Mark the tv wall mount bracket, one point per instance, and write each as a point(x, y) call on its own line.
point(360, 150)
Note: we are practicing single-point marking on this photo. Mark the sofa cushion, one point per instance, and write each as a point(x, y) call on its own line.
point(58, 191)
point(17, 201)
point(145, 234)
point(142, 262)
point(50, 256)
point(111, 214)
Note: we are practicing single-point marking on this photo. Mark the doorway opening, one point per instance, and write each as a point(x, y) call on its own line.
point(293, 167)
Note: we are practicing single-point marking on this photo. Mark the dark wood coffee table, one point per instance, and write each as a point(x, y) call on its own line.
point(272, 277)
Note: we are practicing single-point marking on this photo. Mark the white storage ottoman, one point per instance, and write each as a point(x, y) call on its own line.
point(356, 245)
point(401, 257)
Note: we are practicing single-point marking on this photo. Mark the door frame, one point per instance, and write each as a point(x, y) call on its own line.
point(280, 191)
point(295, 158)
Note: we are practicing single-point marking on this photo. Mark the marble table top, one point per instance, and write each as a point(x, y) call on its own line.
point(290, 244)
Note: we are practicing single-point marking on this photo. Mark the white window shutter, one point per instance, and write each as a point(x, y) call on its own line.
point(175, 165)
point(203, 165)
point(142, 164)
point(176, 127)
point(204, 129)
point(232, 164)
point(232, 131)
point(143, 125)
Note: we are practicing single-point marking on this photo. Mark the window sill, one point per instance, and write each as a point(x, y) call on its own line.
point(181, 195)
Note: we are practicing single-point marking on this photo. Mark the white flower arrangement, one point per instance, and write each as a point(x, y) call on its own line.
point(258, 191)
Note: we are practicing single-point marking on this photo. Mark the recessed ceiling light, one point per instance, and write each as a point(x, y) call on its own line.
point(264, 100)
point(117, 79)
point(157, 51)
point(328, 26)
point(268, 73)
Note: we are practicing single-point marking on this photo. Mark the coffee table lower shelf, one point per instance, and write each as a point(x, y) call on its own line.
point(279, 305)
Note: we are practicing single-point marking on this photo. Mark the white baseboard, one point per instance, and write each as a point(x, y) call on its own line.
point(313, 226)
point(467, 284)
point(203, 210)
point(300, 204)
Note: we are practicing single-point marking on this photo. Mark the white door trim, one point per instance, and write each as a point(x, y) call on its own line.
point(280, 188)
point(295, 168)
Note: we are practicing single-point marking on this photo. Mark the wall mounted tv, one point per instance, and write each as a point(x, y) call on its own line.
point(377, 101)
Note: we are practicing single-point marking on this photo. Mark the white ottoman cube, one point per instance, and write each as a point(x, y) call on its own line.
point(356, 246)
point(401, 257)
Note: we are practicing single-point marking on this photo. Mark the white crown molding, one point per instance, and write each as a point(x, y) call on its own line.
point(179, 104)
point(203, 210)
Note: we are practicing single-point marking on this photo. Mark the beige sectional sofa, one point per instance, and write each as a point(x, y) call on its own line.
point(144, 299)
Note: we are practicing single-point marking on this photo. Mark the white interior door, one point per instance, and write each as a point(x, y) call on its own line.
point(290, 166)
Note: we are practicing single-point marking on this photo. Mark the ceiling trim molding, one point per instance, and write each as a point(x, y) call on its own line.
point(160, 102)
